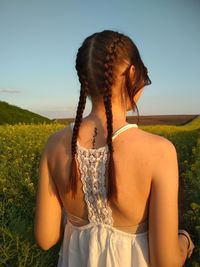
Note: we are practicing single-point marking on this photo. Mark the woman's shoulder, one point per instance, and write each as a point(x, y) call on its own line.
point(60, 136)
point(58, 142)
point(155, 141)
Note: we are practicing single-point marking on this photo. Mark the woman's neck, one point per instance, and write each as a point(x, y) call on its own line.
point(98, 115)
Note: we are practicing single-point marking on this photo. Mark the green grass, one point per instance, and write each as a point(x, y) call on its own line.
point(10, 114)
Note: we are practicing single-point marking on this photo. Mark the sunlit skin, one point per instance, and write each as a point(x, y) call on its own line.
point(144, 163)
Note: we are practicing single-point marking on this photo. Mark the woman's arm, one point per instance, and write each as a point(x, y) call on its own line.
point(48, 226)
point(164, 244)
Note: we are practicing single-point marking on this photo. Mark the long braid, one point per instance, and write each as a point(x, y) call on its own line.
point(107, 95)
point(79, 114)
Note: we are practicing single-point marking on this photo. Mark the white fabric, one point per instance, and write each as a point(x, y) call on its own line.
point(123, 128)
point(92, 168)
point(99, 244)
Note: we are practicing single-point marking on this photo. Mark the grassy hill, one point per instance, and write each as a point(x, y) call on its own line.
point(10, 114)
point(194, 124)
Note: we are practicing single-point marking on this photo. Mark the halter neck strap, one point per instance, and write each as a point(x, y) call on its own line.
point(122, 129)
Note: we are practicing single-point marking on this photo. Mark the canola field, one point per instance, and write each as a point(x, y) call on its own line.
point(20, 151)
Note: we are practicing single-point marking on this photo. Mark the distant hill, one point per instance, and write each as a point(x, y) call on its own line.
point(163, 119)
point(150, 120)
point(10, 114)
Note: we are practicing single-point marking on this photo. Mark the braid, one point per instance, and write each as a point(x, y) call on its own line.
point(107, 95)
point(79, 114)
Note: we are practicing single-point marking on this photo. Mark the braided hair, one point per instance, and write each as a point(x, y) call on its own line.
point(97, 64)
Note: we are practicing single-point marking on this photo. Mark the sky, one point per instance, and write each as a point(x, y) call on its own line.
point(39, 40)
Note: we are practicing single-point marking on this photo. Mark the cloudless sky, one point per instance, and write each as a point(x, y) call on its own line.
point(39, 40)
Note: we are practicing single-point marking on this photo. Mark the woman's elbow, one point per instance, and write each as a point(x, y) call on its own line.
point(44, 242)
point(43, 245)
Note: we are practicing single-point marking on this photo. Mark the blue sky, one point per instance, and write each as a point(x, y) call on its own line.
point(40, 38)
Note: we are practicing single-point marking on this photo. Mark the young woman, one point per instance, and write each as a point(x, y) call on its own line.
point(117, 184)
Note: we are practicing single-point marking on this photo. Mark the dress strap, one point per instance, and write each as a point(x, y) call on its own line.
point(117, 132)
point(132, 229)
point(122, 129)
point(75, 220)
point(71, 125)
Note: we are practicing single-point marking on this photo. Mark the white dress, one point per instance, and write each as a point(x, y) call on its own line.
point(98, 243)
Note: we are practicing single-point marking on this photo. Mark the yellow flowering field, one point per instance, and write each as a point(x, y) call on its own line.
point(20, 151)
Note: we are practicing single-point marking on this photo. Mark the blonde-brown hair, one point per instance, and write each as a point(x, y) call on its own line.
point(96, 64)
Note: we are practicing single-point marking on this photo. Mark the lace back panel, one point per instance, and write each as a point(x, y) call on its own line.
point(92, 166)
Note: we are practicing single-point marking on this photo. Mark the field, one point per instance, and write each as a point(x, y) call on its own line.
point(20, 150)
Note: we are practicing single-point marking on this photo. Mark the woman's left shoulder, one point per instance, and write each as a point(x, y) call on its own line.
point(58, 141)
point(59, 137)
point(57, 149)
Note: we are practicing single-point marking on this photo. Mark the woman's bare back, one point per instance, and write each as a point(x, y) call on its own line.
point(135, 153)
